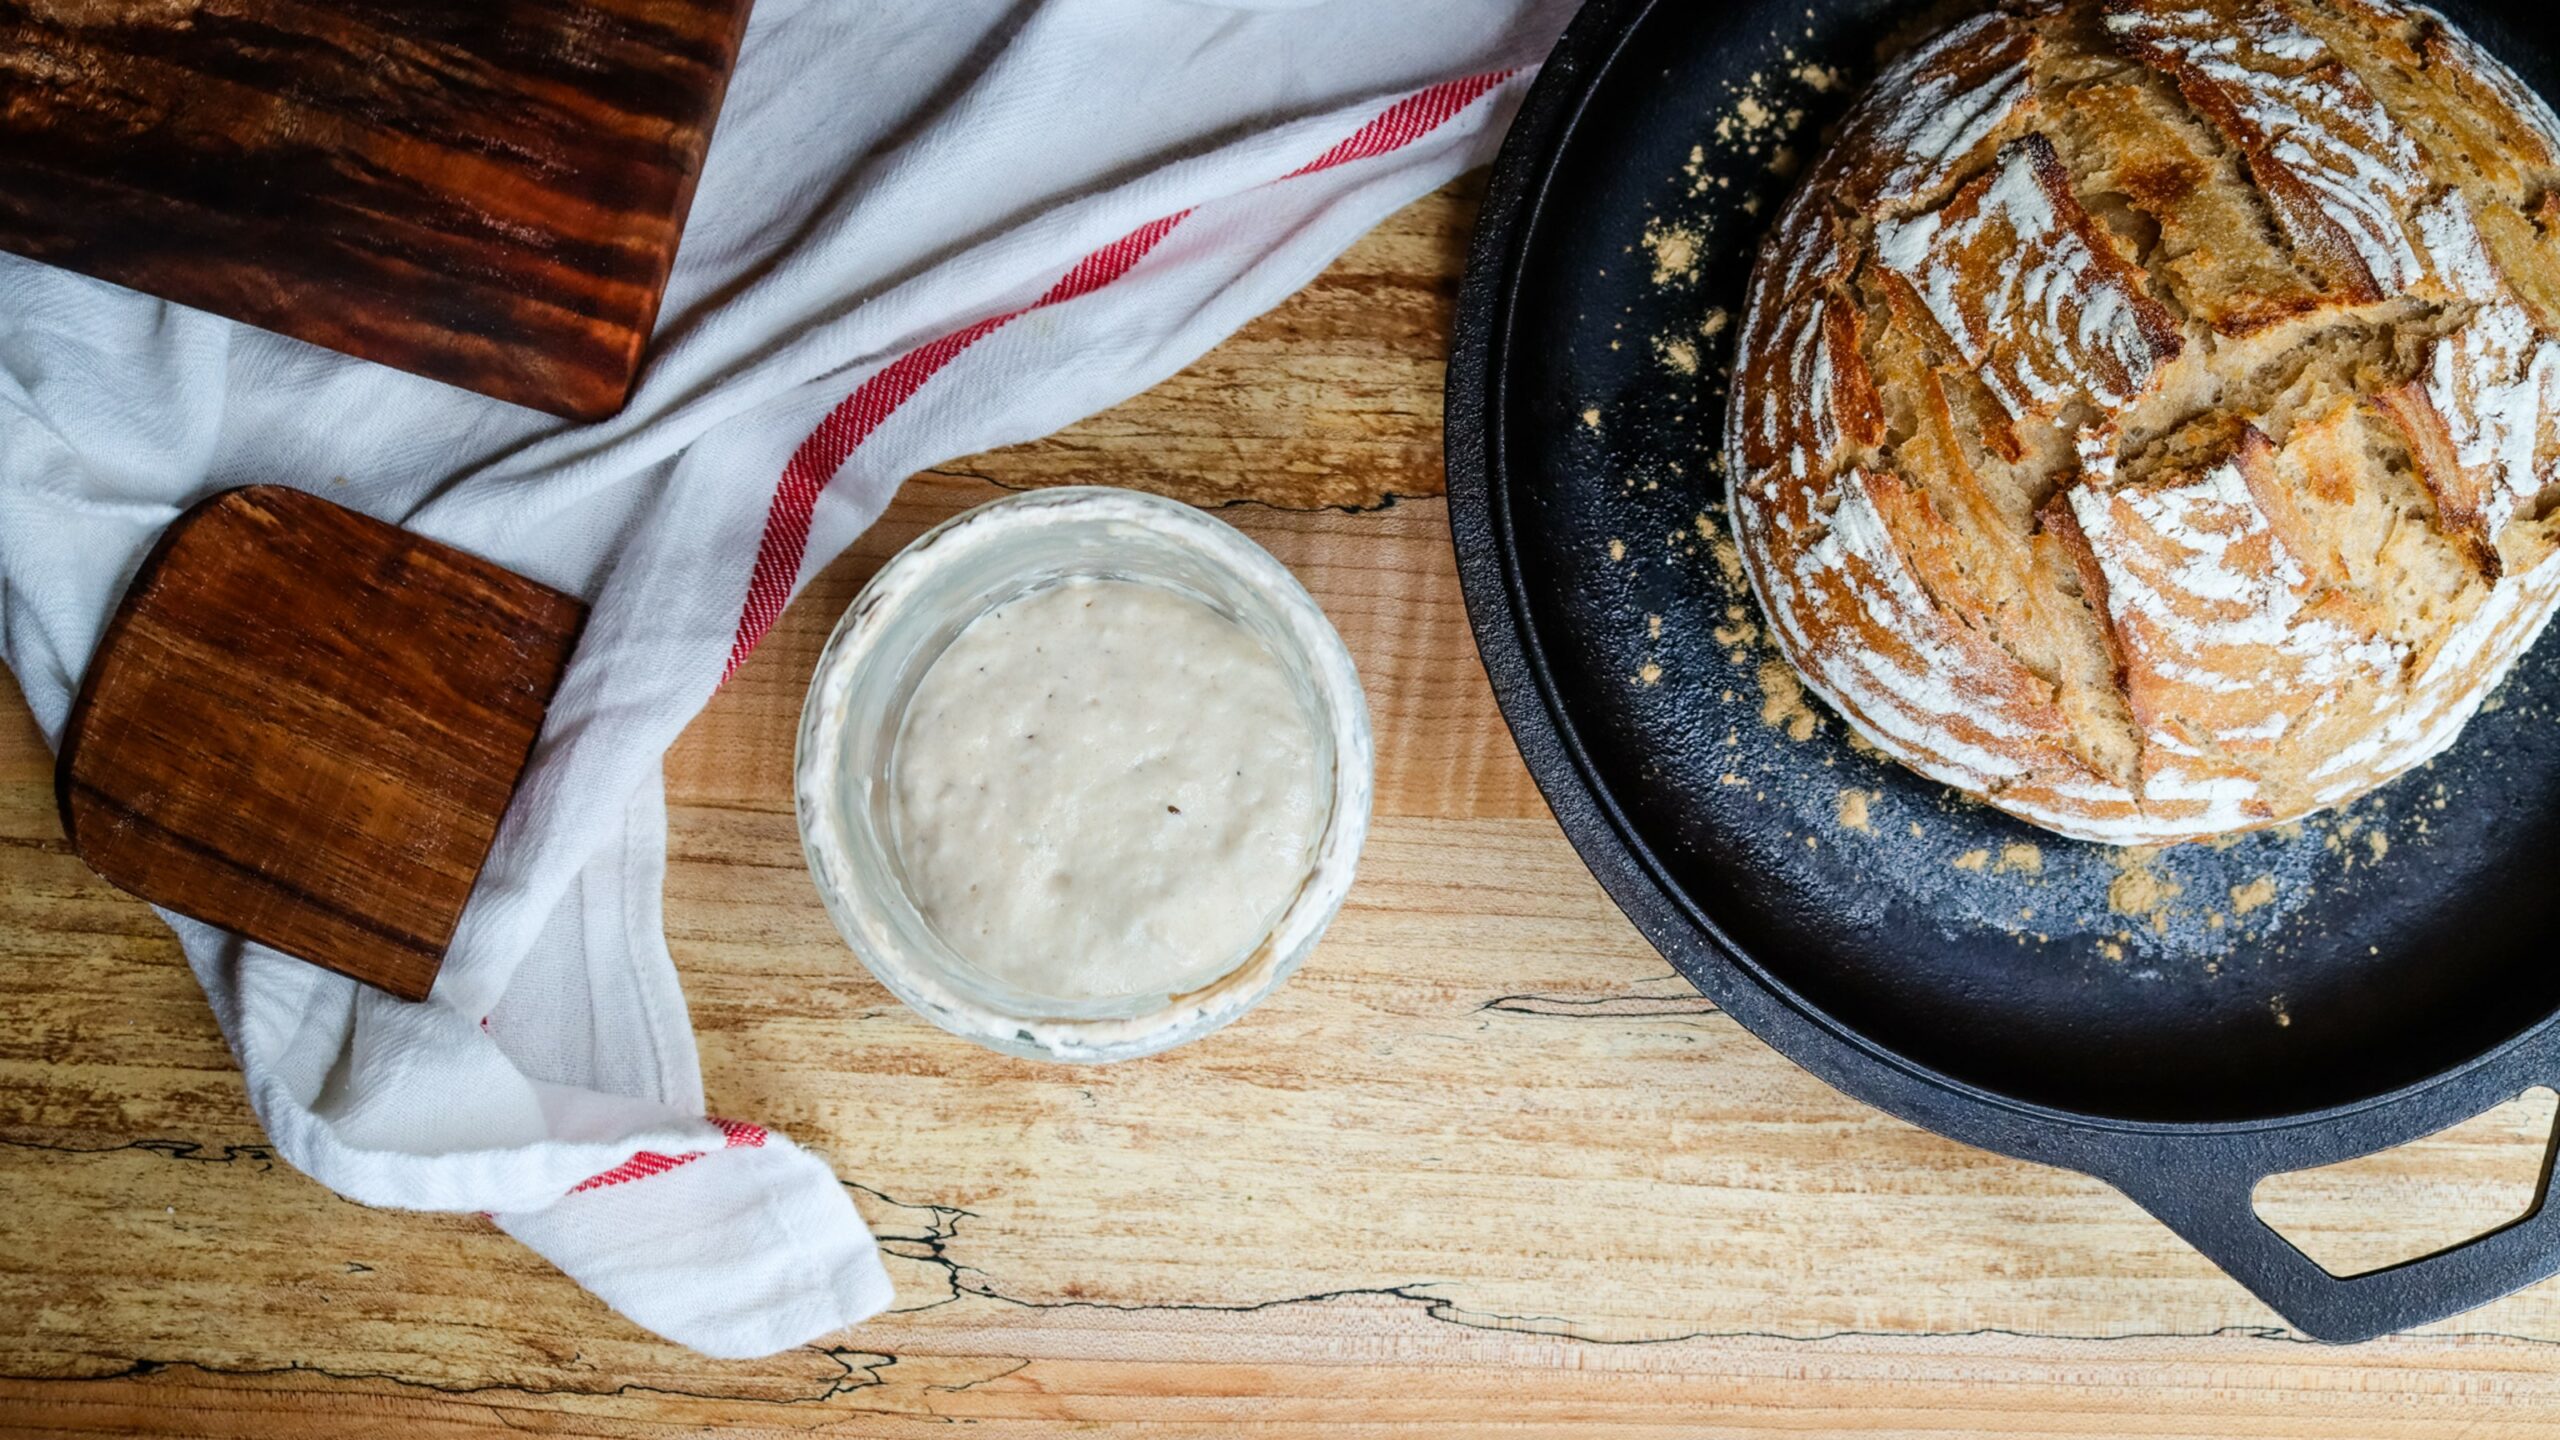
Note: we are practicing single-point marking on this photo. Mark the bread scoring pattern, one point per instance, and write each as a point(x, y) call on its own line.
point(2147, 414)
point(2014, 279)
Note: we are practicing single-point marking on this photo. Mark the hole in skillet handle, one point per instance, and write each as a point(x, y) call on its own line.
point(2205, 1188)
point(2418, 1199)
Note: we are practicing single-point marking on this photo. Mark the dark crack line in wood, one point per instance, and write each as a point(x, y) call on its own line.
point(1686, 1000)
point(963, 1279)
point(1017, 1368)
point(942, 1228)
point(966, 1280)
point(862, 1368)
point(861, 1372)
point(1570, 1007)
point(863, 1376)
point(958, 1276)
point(192, 1151)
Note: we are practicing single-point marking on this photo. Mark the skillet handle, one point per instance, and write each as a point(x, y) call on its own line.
point(2206, 1197)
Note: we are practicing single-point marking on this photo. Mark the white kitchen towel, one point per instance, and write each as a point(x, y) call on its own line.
point(923, 230)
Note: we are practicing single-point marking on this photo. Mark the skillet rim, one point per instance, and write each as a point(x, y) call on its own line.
point(1501, 613)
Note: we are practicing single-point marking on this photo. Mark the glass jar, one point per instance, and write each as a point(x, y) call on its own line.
point(901, 623)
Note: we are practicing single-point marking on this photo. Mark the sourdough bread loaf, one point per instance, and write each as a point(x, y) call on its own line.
point(2147, 414)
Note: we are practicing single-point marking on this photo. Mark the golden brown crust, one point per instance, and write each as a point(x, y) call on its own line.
point(2147, 413)
point(1963, 93)
point(1964, 274)
point(2216, 253)
point(2307, 127)
point(2461, 511)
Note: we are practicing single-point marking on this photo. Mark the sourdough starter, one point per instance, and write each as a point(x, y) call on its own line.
point(1105, 789)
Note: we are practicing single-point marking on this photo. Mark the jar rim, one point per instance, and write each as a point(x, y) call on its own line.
point(858, 880)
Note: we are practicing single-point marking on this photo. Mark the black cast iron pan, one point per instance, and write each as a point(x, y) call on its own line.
point(2179, 1025)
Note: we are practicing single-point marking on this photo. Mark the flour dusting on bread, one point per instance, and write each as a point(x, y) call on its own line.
point(2146, 413)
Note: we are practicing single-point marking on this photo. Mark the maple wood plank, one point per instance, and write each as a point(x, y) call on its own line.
point(1484, 1168)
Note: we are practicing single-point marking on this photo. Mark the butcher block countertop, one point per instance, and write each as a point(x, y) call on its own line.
point(1484, 1167)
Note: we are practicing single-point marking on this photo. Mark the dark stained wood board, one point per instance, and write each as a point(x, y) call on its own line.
point(304, 724)
point(488, 192)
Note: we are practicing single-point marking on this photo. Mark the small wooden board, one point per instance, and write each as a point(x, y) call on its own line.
point(488, 192)
point(303, 725)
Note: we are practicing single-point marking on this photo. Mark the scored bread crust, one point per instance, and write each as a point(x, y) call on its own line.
point(2146, 414)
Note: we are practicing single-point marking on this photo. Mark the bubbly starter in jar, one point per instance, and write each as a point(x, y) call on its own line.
point(1104, 789)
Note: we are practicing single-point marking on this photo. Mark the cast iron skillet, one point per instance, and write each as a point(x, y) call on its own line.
point(2300, 998)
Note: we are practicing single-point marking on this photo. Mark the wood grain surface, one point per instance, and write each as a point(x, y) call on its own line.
point(488, 192)
point(303, 725)
point(1485, 1168)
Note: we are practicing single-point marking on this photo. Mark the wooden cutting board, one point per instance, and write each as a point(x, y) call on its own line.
point(304, 724)
point(488, 192)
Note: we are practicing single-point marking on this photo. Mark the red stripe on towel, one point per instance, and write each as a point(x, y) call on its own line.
point(795, 498)
point(1406, 121)
point(815, 462)
point(737, 1134)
